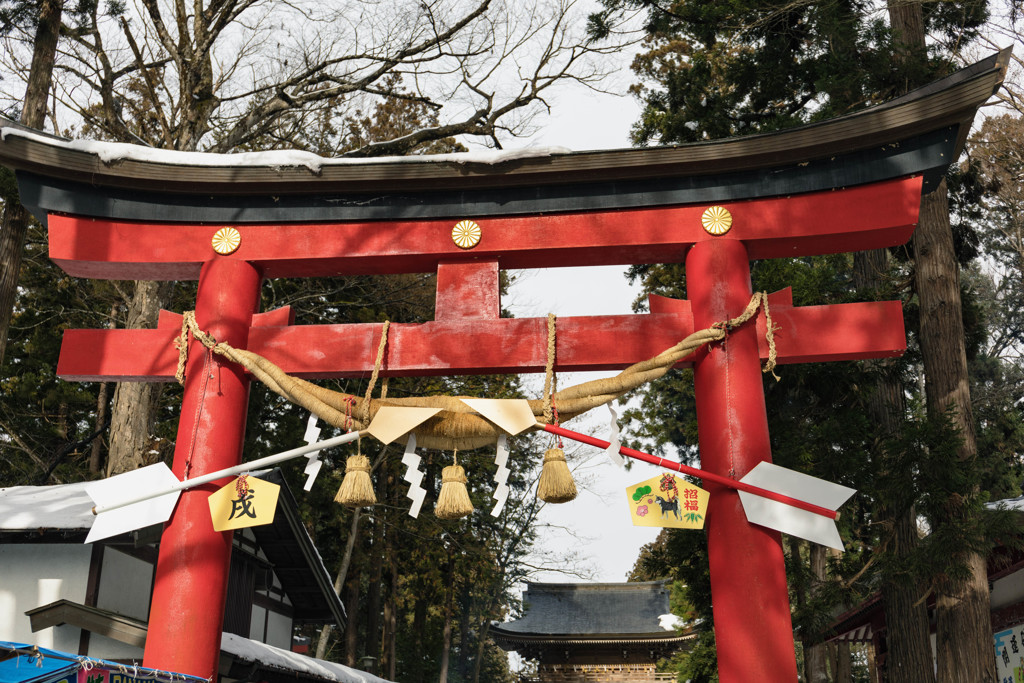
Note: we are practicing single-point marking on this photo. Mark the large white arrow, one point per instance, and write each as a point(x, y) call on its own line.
point(788, 518)
point(772, 496)
point(147, 496)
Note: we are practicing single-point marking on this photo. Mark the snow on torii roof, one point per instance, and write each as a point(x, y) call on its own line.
point(919, 133)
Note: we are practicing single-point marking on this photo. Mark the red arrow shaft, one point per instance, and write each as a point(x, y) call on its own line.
point(693, 471)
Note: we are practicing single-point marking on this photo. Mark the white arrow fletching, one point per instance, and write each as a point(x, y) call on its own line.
point(108, 492)
point(786, 518)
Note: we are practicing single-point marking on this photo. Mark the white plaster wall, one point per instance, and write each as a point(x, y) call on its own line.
point(256, 624)
point(279, 631)
point(36, 574)
point(125, 583)
point(65, 638)
point(277, 595)
point(1008, 590)
point(102, 647)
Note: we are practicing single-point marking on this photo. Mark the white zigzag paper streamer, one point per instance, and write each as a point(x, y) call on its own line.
point(615, 443)
point(501, 475)
point(314, 463)
point(414, 476)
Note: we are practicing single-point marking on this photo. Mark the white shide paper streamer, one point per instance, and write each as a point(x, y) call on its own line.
point(501, 475)
point(314, 463)
point(615, 443)
point(414, 476)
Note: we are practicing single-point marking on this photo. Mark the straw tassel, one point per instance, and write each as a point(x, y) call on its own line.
point(356, 488)
point(556, 484)
point(453, 501)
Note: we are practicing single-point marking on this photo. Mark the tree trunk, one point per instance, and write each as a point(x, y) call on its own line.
point(390, 580)
point(843, 671)
point(815, 655)
point(962, 611)
point(339, 580)
point(96, 450)
point(390, 646)
point(873, 674)
point(446, 633)
point(963, 628)
point(419, 626)
point(446, 646)
point(12, 248)
point(907, 628)
point(493, 592)
point(907, 22)
point(481, 644)
point(134, 405)
point(352, 627)
point(909, 657)
point(33, 114)
point(464, 616)
point(798, 587)
point(373, 596)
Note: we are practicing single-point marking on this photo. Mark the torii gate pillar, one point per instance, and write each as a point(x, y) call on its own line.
point(192, 567)
point(745, 559)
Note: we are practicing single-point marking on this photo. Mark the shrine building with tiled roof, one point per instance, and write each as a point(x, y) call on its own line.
point(581, 632)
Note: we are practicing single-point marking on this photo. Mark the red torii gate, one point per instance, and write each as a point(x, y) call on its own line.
point(469, 337)
point(785, 203)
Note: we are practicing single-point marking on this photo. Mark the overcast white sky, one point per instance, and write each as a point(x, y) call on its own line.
point(597, 524)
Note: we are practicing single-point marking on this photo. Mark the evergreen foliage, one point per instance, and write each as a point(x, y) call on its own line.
point(712, 70)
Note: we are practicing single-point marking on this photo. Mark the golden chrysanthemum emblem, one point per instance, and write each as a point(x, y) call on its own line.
point(466, 234)
point(226, 240)
point(717, 220)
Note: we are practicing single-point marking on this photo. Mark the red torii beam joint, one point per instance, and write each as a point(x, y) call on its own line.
point(851, 184)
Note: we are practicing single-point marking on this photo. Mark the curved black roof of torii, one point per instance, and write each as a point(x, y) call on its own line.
point(919, 133)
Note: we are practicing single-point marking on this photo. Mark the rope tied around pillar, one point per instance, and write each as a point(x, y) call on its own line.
point(190, 326)
point(758, 300)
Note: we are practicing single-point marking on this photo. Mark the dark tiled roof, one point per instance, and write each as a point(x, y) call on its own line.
point(592, 609)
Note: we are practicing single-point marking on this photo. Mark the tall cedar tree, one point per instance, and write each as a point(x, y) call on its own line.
point(45, 18)
point(722, 69)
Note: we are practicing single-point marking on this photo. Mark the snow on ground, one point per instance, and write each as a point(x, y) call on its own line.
point(274, 657)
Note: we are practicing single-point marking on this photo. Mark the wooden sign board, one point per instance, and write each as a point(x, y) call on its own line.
point(667, 501)
point(246, 501)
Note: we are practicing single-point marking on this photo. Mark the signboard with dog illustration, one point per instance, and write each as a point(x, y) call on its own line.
point(668, 501)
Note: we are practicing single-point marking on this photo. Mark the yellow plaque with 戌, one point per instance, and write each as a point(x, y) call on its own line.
point(246, 501)
point(668, 501)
